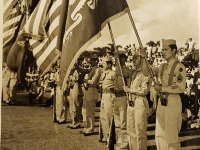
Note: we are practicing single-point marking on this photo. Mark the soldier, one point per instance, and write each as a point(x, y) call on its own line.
point(90, 96)
point(107, 102)
point(76, 94)
point(196, 83)
point(173, 81)
point(59, 101)
point(138, 108)
point(13, 86)
point(6, 84)
point(120, 102)
point(36, 92)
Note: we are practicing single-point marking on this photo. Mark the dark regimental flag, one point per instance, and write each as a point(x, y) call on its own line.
point(12, 18)
point(42, 29)
point(85, 20)
point(20, 58)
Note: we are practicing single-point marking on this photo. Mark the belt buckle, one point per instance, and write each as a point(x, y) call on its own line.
point(131, 103)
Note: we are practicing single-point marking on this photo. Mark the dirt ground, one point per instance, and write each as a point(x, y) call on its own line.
point(31, 127)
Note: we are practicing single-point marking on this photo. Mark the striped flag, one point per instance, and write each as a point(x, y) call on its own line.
point(85, 20)
point(11, 24)
point(42, 29)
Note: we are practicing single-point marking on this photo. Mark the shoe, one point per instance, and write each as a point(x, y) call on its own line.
point(70, 126)
point(75, 126)
point(63, 122)
point(104, 142)
point(82, 132)
point(88, 134)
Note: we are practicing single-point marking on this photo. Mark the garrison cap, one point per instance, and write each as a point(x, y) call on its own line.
point(105, 59)
point(167, 42)
point(94, 55)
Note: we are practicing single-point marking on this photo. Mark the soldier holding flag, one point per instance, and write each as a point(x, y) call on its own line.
point(173, 81)
point(138, 108)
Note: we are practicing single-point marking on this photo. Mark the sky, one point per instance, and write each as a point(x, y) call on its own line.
point(155, 20)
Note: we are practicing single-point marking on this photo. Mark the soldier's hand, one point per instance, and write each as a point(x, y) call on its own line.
point(126, 89)
point(85, 80)
point(158, 87)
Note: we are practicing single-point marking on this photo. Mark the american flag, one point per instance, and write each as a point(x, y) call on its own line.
point(42, 28)
point(11, 23)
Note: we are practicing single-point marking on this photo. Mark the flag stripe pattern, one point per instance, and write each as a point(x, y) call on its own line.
point(12, 20)
point(44, 49)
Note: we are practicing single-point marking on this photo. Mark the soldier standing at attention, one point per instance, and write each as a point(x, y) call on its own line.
point(138, 107)
point(107, 102)
point(173, 82)
point(120, 101)
point(6, 85)
point(90, 96)
point(13, 86)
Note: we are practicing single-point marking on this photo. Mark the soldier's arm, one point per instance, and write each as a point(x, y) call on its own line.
point(41, 92)
point(179, 80)
point(144, 87)
point(95, 77)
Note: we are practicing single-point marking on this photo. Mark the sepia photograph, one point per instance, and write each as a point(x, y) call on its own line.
point(100, 74)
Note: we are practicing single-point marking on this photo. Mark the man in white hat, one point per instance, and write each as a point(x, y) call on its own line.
point(173, 82)
point(138, 108)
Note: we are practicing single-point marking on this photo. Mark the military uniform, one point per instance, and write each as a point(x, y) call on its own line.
point(168, 116)
point(138, 111)
point(60, 102)
point(75, 97)
point(13, 86)
point(120, 107)
point(89, 100)
point(6, 84)
point(107, 102)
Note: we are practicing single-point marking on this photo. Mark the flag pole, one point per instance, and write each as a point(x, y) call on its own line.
point(113, 41)
point(140, 43)
point(112, 135)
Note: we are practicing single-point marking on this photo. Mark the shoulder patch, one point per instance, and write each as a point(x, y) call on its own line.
point(179, 78)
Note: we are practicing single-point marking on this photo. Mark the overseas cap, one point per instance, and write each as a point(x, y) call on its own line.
point(136, 53)
point(94, 55)
point(166, 42)
point(107, 59)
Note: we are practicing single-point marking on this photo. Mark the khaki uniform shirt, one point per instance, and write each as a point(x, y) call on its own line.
point(107, 79)
point(179, 77)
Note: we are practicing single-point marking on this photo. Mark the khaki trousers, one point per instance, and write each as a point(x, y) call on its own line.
point(168, 124)
point(75, 105)
point(88, 109)
point(60, 106)
point(137, 124)
point(120, 118)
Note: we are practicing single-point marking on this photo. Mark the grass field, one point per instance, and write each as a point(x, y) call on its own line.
point(26, 127)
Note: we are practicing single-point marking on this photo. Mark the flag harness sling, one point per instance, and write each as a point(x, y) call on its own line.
point(165, 95)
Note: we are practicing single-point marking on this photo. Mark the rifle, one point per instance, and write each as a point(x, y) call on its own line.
point(112, 135)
